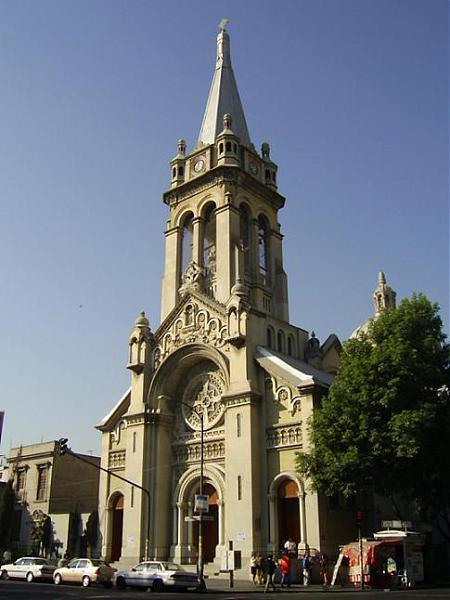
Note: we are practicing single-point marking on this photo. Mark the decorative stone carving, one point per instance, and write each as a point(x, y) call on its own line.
point(191, 453)
point(191, 278)
point(116, 435)
point(204, 395)
point(116, 459)
point(285, 395)
point(284, 436)
point(193, 326)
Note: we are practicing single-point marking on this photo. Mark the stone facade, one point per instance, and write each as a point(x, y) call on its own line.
point(225, 354)
point(56, 485)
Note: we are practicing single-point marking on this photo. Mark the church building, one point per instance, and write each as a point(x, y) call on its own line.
point(222, 390)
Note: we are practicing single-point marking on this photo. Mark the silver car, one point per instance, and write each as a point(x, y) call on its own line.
point(157, 575)
point(29, 568)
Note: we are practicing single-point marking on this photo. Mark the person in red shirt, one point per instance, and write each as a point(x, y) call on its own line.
point(285, 566)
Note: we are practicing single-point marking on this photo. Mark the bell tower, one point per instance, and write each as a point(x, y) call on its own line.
point(223, 204)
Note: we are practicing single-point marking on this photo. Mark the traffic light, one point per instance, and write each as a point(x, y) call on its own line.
point(62, 446)
point(359, 518)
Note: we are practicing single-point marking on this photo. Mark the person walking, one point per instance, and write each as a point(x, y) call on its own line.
point(324, 570)
point(253, 566)
point(271, 567)
point(285, 566)
point(306, 566)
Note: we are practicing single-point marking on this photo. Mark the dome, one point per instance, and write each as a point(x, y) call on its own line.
point(142, 320)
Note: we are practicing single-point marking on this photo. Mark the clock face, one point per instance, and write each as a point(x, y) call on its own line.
point(253, 167)
point(199, 165)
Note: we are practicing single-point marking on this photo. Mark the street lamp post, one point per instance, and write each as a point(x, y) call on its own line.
point(200, 564)
point(64, 449)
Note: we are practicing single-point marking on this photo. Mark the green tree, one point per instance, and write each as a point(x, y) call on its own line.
point(92, 528)
point(385, 422)
point(7, 505)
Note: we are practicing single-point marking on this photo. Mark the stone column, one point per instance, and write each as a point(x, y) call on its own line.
point(301, 505)
point(220, 505)
point(272, 519)
point(180, 522)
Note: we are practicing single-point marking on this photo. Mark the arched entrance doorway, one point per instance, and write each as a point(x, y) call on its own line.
point(116, 527)
point(210, 524)
point(288, 511)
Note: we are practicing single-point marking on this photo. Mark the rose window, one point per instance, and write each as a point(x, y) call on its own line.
point(203, 395)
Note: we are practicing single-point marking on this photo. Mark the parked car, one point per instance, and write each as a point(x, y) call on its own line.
point(157, 575)
point(84, 571)
point(29, 568)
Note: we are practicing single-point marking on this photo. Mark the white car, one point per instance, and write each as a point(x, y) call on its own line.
point(157, 575)
point(29, 568)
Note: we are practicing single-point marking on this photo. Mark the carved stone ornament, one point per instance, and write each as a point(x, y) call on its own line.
point(285, 395)
point(193, 325)
point(191, 278)
point(203, 395)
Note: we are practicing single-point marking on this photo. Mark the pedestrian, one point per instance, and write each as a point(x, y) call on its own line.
point(259, 573)
point(324, 569)
point(285, 566)
point(290, 547)
point(7, 556)
point(271, 567)
point(306, 567)
point(253, 566)
point(263, 569)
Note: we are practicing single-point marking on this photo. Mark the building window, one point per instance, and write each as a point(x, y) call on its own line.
point(239, 486)
point(134, 441)
point(263, 249)
point(245, 237)
point(269, 337)
point(220, 148)
point(181, 171)
point(174, 172)
point(238, 425)
point(186, 242)
point(209, 250)
point(20, 482)
point(228, 146)
point(132, 496)
point(42, 482)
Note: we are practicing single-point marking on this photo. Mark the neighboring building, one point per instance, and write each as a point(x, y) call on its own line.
point(227, 351)
point(61, 487)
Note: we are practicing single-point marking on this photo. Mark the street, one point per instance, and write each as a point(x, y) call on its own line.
point(45, 591)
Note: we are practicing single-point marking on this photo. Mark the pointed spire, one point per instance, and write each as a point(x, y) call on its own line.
point(383, 296)
point(223, 96)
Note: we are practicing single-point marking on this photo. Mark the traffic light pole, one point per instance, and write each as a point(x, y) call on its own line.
point(63, 449)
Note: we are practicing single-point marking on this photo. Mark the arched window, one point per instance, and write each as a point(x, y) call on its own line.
point(186, 243)
point(209, 249)
point(245, 237)
point(228, 146)
point(220, 148)
point(269, 337)
point(263, 250)
point(181, 171)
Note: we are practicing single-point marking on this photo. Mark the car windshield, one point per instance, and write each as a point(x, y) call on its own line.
point(172, 566)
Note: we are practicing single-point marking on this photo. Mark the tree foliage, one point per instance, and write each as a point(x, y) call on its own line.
point(386, 420)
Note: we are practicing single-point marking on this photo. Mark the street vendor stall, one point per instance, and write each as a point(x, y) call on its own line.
point(393, 558)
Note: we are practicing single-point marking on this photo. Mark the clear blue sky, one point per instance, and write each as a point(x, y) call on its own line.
point(352, 96)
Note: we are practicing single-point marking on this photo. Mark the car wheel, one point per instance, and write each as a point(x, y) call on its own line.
point(57, 579)
point(157, 586)
point(4, 574)
point(121, 583)
point(86, 581)
point(29, 577)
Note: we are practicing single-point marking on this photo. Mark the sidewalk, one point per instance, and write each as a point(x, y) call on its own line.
point(221, 583)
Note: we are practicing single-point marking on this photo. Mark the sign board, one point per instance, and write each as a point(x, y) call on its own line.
point(201, 503)
point(240, 536)
point(396, 524)
point(231, 560)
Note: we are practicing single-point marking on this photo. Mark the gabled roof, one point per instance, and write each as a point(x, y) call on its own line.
point(119, 409)
point(223, 99)
point(294, 372)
